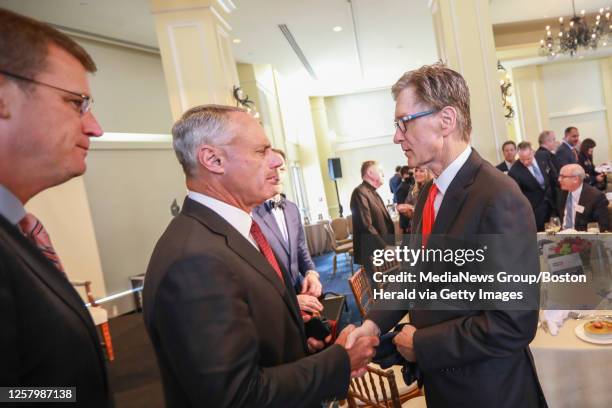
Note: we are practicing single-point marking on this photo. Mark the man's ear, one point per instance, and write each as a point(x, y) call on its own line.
point(211, 158)
point(448, 120)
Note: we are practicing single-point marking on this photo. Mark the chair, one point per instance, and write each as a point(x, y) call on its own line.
point(99, 316)
point(378, 388)
point(360, 285)
point(343, 241)
point(387, 267)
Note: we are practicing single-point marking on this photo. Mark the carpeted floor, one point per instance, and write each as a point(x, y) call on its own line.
point(134, 375)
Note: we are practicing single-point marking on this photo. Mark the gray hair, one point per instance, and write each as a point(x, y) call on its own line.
point(543, 136)
point(204, 124)
point(575, 170)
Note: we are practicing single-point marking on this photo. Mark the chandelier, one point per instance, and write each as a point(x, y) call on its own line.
point(578, 35)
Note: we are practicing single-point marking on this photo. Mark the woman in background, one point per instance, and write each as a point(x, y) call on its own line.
point(405, 207)
point(585, 159)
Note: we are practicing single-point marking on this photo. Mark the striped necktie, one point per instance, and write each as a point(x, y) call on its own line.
point(33, 229)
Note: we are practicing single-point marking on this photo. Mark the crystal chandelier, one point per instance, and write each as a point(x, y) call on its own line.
point(578, 35)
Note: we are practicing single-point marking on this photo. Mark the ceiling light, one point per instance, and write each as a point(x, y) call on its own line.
point(337, 29)
point(236, 40)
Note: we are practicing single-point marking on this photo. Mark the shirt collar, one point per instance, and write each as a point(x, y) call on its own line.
point(449, 173)
point(508, 164)
point(568, 145)
point(576, 194)
point(10, 207)
point(236, 217)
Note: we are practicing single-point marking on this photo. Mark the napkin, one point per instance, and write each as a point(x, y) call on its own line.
point(554, 319)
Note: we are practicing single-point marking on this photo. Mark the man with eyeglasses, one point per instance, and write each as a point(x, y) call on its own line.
point(47, 337)
point(465, 358)
point(580, 203)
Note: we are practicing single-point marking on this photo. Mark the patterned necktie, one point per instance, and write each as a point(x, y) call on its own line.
point(569, 212)
point(429, 213)
point(575, 154)
point(265, 249)
point(33, 229)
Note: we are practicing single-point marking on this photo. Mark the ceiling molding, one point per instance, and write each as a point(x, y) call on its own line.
point(87, 35)
point(298, 51)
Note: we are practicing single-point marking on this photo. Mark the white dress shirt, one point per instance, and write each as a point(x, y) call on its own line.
point(236, 217)
point(575, 198)
point(279, 216)
point(10, 207)
point(508, 164)
point(447, 176)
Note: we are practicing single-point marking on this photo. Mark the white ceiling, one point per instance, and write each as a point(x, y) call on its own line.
point(394, 35)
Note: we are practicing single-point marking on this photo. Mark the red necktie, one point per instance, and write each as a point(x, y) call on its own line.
point(265, 249)
point(429, 213)
point(33, 229)
point(575, 154)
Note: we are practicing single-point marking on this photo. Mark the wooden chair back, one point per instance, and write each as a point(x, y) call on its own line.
point(360, 285)
point(377, 388)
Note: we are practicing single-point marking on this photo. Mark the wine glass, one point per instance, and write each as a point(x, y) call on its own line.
point(555, 224)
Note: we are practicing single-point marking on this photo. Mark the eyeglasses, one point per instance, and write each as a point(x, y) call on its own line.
point(84, 105)
point(401, 122)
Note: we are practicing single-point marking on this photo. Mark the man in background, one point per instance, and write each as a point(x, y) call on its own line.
point(580, 203)
point(567, 152)
point(395, 181)
point(546, 152)
point(467, 358)
point(281, 224)
point(535, 179)
point(220, 310)
point(47, 337)
point(372, 224)
point(509, 153)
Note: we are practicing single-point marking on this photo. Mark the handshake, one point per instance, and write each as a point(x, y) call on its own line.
point(360, 345)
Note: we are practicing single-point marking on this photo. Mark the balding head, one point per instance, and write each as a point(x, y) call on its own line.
point(571, 176)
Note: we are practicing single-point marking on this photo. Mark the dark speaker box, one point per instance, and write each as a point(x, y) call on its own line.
point(334, 168)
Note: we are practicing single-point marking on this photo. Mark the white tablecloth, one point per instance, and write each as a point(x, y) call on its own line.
point(319, 237)
point(573, 373)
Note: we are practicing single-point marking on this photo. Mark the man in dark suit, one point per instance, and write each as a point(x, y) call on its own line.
point(536, 180)
point(395, 181)
point(474, 358)
point(372, 225)
point(47, 337)
point(281, 223)
point(509, 152)
point(548, 142)
point(221, 313)
point(566, 152)
point(579, 203)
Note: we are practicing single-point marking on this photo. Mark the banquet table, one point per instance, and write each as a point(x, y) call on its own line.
point(319, 237)
point(572, 372)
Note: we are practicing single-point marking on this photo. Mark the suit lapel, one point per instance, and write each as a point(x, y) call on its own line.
point(51, 277)
point(245, 250)
point(272, 225)
point(379, 202)
point(456, 193)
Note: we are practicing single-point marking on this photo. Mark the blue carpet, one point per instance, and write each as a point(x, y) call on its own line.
point(338, 283)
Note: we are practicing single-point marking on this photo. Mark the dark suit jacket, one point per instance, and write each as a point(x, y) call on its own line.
point(565, 155)
point(543, 154)
point(478, 358)
point(595, 206)
point(293, 255)
point(47, 337)
point(372, 224)
point(502, 167)
point(542, 200)
point(227, 332)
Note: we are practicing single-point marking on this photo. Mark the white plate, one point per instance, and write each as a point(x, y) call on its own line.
point(580, 333)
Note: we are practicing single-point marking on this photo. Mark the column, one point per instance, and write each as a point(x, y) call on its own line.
point(195, 47)
point(531, 102)
point(464, 38)
point(605, 65)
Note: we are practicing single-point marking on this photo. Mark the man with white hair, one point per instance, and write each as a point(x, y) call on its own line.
point(580, 203)
point(221, 312)
point(548, 143)
point(372, 225)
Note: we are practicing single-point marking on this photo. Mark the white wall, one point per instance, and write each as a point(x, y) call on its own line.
point(130, 192)
point(574, 97)
point(129, 89)
point(361, 128)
